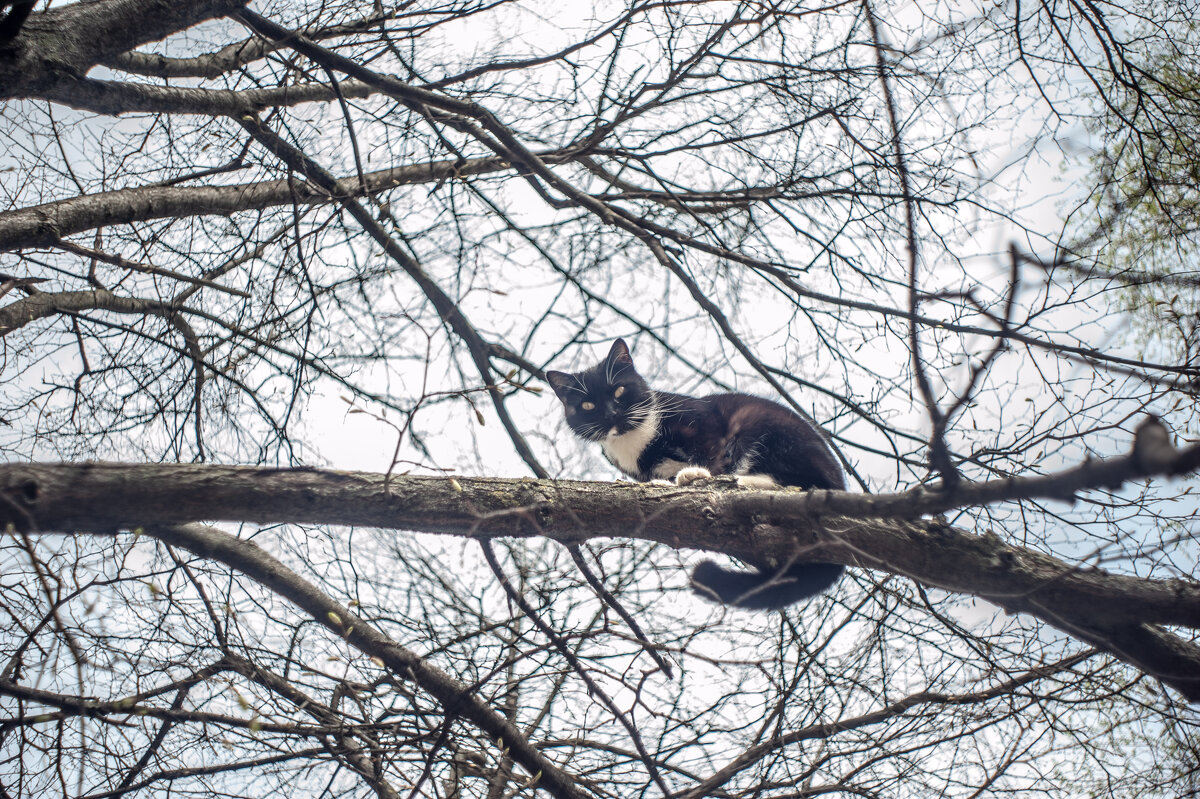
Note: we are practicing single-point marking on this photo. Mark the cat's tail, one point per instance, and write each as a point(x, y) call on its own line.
point(763, 590)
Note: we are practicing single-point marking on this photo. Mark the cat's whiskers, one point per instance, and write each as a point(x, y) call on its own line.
point(642, 410)
point(666, 406)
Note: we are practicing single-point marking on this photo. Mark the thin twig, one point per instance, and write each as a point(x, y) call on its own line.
point(594, 688)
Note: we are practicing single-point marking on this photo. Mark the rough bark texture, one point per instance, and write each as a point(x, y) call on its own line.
point(43, 225)
point(64, 43)
point(38, 306)
point(1114, 612)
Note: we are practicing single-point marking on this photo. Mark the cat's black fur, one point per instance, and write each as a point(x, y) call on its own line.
point(656, 435)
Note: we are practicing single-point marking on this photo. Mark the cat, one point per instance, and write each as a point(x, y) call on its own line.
point(658, 436)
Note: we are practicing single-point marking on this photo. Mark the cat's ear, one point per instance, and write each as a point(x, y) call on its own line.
point(619, 354)
point(561, 382)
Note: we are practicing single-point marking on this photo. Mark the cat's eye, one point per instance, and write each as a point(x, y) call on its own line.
point(588, 406)
point(620, 390)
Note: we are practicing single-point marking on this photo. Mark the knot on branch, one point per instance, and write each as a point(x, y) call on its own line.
point(47, 228)
point(1153, 451)
point(18, 500)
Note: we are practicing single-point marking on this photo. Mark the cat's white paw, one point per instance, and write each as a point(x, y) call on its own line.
point(691, 474)
point(661, 483)
point(759, 481)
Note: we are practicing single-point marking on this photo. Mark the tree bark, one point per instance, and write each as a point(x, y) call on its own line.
point(65, 42)
point(43, 225)
point(1117, 613)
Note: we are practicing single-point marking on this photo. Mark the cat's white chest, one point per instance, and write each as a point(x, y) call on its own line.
point(625, 449)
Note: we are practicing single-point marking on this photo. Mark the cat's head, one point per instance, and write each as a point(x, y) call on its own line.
point(611, 398)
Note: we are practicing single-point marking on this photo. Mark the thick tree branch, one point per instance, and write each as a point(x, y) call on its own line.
point(1108, 610)
point(113, 98)
point(65, 42)
point(44, 225)
point(38, 306)
point(228, 58)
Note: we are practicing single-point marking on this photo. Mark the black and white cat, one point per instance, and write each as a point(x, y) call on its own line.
point(655, 435)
